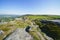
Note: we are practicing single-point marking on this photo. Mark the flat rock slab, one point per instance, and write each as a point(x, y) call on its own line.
point(19, 34)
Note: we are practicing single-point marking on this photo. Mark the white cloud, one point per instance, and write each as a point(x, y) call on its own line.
point(46, 11)
point(9, 12)
point(50, 11)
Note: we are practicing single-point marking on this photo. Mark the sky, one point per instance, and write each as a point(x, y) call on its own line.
point(21, 7)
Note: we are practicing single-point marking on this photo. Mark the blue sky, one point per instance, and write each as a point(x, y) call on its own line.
point(21, 7)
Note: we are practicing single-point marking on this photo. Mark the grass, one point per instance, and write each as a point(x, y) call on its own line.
point(6, 28)
point(39, 17)
point(35, 36)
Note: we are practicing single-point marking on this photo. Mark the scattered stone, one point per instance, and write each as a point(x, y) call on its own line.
point(1, 32)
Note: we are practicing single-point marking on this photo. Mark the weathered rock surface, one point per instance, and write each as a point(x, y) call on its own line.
point(19, 34)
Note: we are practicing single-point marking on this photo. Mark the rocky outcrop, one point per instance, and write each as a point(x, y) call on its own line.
point(19, 34)
point(1, 32)
point(51, 28)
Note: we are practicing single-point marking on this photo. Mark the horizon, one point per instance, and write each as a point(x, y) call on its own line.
point(34, 7)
